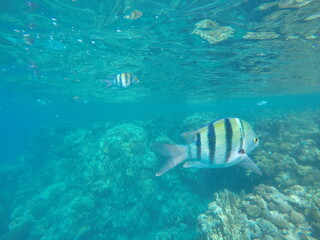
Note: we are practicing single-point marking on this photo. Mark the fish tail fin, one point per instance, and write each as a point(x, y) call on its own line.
point(109, 82)
point(175, 153)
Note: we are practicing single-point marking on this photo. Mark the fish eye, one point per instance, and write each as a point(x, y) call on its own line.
point(255, 140)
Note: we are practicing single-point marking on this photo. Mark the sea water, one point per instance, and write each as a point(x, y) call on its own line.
point(75, 156)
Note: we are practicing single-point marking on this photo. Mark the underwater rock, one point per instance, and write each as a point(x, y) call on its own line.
point(311, 36)
point(293, 3)
point(293, 37)
point(284, 207)
point(278, 220)
point(134, 15)
point(212, 31)
point(268, 237)
point(261, 35)
point(315, 214)
point(266, 6)
point(206, 23)
point(125, 139)
point(296, 217)
point(253, 211)
point(267, 228)
point(254, 229)
point(314, 16)
point(272, 206)
point(260, 202)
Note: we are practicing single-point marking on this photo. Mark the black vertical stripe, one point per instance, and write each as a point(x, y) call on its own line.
point(198, 144)
point(120, 80)
point(125, 80)
point(241, 135)
point(117, 80)
point(129, 80)
point(229, 133)
point(189, 152)
point(211, 141)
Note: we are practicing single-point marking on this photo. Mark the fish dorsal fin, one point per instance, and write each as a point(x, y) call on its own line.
point(248, 164)
point(190, 136)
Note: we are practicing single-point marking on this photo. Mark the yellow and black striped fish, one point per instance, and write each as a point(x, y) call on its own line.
point(221, 143)
point(122, 80)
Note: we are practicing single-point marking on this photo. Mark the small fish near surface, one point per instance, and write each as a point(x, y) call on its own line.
point(122, 80)
point(262, 103)
point(219, 144)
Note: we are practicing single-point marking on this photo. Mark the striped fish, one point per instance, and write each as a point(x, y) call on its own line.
point(122, 80)
point(222, 143)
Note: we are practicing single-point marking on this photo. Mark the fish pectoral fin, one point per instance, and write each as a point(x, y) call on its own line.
point(190, 136)
point(248, 164)
point(193, 164)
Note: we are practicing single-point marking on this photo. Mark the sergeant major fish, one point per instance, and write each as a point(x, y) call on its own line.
point(122, 80)
point(222, 143)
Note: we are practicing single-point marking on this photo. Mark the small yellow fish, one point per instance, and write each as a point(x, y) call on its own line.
point(134, 15)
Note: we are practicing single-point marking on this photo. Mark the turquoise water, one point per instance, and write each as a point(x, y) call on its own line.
point(75, 156)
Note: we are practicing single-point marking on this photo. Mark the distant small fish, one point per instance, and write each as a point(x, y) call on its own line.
point(41, 101)
point(222, 143)
point(34, 66)
point(75, 98)
point(28, 39)
point(134, 15)
point(123, 80)
point(31, 25)
point(32, 6)
point(262, 103)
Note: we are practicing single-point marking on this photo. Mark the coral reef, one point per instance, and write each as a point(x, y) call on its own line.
point(212, 31)
point(264, 214)
point(293, 3)
point(290, 150)
point(98, 183)
point(224, 219)
point(80, 182)
point(313, 16)
point(284, 4)
point(261, 35)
